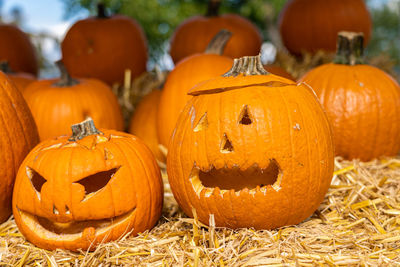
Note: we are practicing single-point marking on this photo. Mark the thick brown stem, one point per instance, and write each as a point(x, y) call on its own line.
point(250, 65)
point(65, 78)
point(350, 48)
point(5, 67)
point(83, 129)
point(213, 8)
point(101, 11)
point(218, 42)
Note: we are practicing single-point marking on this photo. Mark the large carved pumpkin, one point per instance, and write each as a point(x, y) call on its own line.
point(104, 47)
point(185, 75)
point(20, 79)
point(312, 25)
point(251, 148)
point(58, 103)
point(76, 192)
point(18, 135)
point(143, 122)
point(362, 102)
point(193, 35)
point(17, 49)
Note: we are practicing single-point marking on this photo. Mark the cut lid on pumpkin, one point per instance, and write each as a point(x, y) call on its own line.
point(245, 72)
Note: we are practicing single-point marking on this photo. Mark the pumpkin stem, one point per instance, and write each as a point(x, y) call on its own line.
point(218, 42)
point(350, 48)
point(65, 78)
point(213, 8)
point(83, 129)
point(5, 67)
point(101, 11)
point(250, 65)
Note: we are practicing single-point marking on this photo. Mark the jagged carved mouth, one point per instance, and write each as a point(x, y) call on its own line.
point(71, 230)
point(227, 179)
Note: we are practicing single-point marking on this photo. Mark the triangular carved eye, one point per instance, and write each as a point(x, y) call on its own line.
point(245, 117)
point(202, 124)
point(36, 179)
point(97, 181)
point(226, 145)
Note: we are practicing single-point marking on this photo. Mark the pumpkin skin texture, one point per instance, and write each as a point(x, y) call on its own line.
point(254, 150)
point(18, 135)
point(74, 194)
point(143, 122)
point(56, 107)
point(193, 35)
point(274, 69)
point(103, 48)
point(312, 25)
point(17, 49)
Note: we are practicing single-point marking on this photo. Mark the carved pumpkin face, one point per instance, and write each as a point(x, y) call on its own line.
point(254, 151)
point(75, 194)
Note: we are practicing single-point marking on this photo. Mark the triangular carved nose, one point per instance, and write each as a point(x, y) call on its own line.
point(226, 145)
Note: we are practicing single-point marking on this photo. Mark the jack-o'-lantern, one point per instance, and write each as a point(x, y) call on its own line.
point(76, 192)
point(252, 148)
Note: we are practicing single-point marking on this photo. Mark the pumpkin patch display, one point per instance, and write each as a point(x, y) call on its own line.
point(17, 49)
point(185, 75)
point(103, 47)
point(18, 135)
point(252, 148)
point(193, 35)
point(312, 25)
point(58, 103)
point(143, 122)
point(362, 102)
point(74, 192)
point(20, 79)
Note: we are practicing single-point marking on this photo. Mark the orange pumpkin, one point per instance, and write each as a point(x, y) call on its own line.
point(251, 148)
point(186, 74)
point(274, 69)
point(104, 47)
point(58, 103)
point(362, 102)
point(76, 192)
point(193, 35)
point(312, 25)
point(18, 135)
point(20, 79)
point(143, 122)
point(17, 49)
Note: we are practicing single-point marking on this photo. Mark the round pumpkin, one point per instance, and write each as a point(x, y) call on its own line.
point(104, 47)
point(193, 35)
point(185, 75)
point(362, 102)
point(18, 135)
point(93, 187)
point(143, 122)
point(17, 49)
point(20, 79)
point(312, 25)
point(275, 69)
point(58, 103)
point(252, 148)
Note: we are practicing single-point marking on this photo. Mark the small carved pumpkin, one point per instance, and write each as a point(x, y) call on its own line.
point(143, 122)
point(193, 35)
point(58, 103)
point(185, 75)
point(18, 135)
point(362, 102)
point(254, 150)
point(76, 192)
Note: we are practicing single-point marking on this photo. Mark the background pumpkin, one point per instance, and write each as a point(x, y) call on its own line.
point(255, 150)
point(18, 135)
point(184, 76)
point(143, 122)
point(17, 49)
point(362, 102)
point(312, 25)
point(76, 192)
point(193, 34)
point(275, 69)
point(20, 79)
point(104, 47)
point(58, 103)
